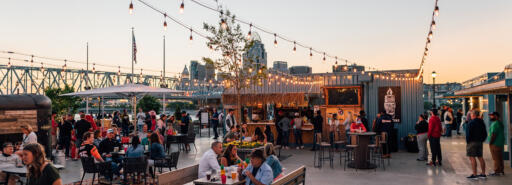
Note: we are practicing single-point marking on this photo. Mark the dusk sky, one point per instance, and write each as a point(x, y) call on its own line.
point(472, 36)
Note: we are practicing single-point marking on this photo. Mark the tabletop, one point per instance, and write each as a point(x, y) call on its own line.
point(362, 133)
point(229, 181)
point(15, 170)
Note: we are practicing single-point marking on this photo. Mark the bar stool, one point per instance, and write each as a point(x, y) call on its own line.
point(341, 142)
point(384, 139)
point(350, 149)
point(321, 152)
point(376, 152)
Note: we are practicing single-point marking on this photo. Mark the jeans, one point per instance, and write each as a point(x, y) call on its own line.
point(126, 130)
point(448, 130)
point(215, 125)
point(422, 146)
point(139, 127)
point(298, 137)
point(497, 157)
point(435, 147)
point(115, 166)
point(286, 137)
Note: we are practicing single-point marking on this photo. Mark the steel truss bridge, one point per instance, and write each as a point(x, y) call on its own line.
point(34, 80)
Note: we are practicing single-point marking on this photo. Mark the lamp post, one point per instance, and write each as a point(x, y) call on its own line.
point(434, 75)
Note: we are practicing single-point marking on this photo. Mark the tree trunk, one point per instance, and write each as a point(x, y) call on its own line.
point(239, 106)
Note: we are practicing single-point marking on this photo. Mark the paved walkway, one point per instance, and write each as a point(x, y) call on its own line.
point(404, 168)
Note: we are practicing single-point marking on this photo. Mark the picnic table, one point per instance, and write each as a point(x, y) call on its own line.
point(229, 181)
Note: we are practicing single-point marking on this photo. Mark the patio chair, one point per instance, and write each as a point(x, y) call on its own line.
point(376, 151)
point(191, 139)
point(321, 152)
point(135, 165)
point(170, 161)
point(350, 150)
point(89, 166)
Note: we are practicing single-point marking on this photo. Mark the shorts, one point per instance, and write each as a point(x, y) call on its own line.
point(474, 149)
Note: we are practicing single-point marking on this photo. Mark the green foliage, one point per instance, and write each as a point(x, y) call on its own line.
point(177, 113)
point(63, 104)
point(148, 103)
point(427, 106)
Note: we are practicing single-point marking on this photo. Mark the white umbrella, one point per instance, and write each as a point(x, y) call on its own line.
point(126, 91)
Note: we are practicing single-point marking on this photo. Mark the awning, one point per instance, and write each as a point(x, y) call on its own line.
point(499, 87)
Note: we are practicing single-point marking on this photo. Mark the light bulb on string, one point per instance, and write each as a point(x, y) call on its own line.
point(118, 70)
point(324, 57)
point(336, 63)
point(65, 65)
point(9, 63)
point(131, 8)
point(93, 68)
point(433, 25)
point(294, 47)
point(430, 35)
point(165, 21)
point(191, 38)
point(275, 40)
point(211, 48)
point(42, 67)
point(182, 7)
point(249, 34)
point(436, 11)
point(32, 61)
point(223, 24)
point(310, 53)
point(428, 43)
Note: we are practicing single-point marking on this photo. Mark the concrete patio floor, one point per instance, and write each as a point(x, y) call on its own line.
point(404, 169)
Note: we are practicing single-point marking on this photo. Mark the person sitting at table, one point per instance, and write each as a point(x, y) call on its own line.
point(29, 136)
point(40, 172)
point(107, 146)
point(88, 149)
point(144, 132)
point(136, 149)
point(8, 157)
point(97, 138)
point(259, 136)
point(156, 151)
point(230, 156)
point(232, 135)
point(244, 132)
point(272, 160)
point(258, 172)
point(357, 126)
point(209, 162)
point(160, 124)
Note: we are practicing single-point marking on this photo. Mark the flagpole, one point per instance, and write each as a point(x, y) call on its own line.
point(133, 61)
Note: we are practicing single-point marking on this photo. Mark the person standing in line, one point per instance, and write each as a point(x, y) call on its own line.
point(81, 127)
point(40, 171)
point(448, 122)
point(317, 127)
point(386, 126)
point(116, 119)
point(53, 131)
point(230, 119)
point(476, 134)
point(141, 117)
point(65, 130)
point(160, 124)
point(458, 121)
point(297, 130)
point(434, 137)
point(215, 123)
point(284, 123)
point(421, 134)
point(125, 123)
point(376, 121)
point(496, 143)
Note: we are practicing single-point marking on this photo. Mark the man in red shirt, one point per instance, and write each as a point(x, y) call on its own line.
point(434, 135)
point(53, 131)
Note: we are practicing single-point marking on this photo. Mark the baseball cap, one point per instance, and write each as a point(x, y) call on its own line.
point(495, 114)
point(110, 131)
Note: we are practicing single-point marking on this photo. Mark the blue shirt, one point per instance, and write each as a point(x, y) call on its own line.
point(135, 152)
point(275, 165)
point(157, 151)
point(264, 174)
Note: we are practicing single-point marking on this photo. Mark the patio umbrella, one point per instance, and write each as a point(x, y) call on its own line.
point(131, 91)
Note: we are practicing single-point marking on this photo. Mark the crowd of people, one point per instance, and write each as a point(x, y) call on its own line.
point(441, 123)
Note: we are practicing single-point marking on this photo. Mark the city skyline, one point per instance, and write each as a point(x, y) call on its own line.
point(386, 35)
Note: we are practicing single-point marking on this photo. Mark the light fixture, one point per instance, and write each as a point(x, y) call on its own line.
point(32, 61)
point(336, 63)
point(182, 7)
point(131, 8)
point(430, 35)
point(275, 40)
point(434, 74)
point(433, 25)
point(324, 57)
point(436, 11)
point(294, 46)
point(211, 48)
point(310, 53)
point(191, 34)
point(65, 65)
point(250, 32)
point(222, 21)
point(9, 63)
point(165, 21)
point(93, 68)
point(42, 67)
point(118, 70)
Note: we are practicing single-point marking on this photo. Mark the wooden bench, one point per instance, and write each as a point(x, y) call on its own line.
point(180, 176)
point(297, 176)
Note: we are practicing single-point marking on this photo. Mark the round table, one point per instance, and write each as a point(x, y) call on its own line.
point(361, 154)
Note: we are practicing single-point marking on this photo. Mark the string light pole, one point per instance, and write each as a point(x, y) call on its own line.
point(434, 75)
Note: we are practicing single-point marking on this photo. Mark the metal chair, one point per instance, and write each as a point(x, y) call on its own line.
point(191, 139)
point(385, 145)
point(349, 150)
point(135, 165)
point(321, 152)
point(376, 152)
point(170, 161)
point(89, 166)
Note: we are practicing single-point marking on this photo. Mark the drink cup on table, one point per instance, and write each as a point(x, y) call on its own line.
point(208, 175)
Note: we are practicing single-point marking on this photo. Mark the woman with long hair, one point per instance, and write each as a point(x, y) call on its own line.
point(29, 136)
point(230, 156)
point(272, 160)
point(135, 149)
point(89, 119)
point(40, 172)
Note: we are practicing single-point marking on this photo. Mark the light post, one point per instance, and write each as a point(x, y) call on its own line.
point(434, 75)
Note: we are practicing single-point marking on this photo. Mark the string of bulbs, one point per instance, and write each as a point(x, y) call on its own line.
point(430, 35)
point(252, 26)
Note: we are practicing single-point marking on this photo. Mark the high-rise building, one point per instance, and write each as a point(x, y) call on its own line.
point(294, 70)
point(256, 55)
point(281, 66)
point(201, 72)
point(210, 72)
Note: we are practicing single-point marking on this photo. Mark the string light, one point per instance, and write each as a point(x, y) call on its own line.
point(165, 21)
point(42, 67)
point(336, 63)
point(250, 32)
point(65, 65)
point(118, 70)
point(433, 25)
point(275, 40)
point(131, 8)
point(182, 7)
point(294, 46)
point(436, 10)
point(222, 21)
point(32, 61)
point(310, 53)
point(9, 63)
point(191, 38)
point(93, 68)
point(324, 57)
point(211, 48)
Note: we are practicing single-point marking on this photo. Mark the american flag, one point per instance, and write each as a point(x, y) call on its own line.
point(134, 48)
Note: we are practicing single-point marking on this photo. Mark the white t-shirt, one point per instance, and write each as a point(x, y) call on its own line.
point(28, 139)
point(208, 163)
point(140, 118)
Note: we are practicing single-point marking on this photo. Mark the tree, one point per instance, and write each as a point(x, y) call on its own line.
point(63, 104)
point(148, 103)
point(232, 43)
point(427, 105)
